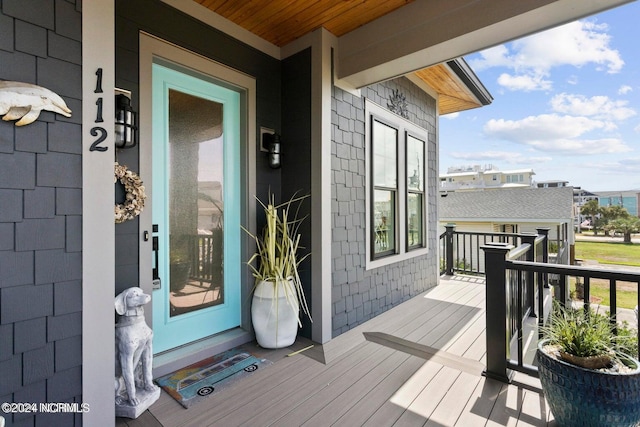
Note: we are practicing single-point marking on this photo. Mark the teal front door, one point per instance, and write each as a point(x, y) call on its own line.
point(195, 206)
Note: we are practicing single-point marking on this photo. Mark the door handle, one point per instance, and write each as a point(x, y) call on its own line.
point(155, 245)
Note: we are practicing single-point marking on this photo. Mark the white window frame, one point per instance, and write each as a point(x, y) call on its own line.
point(404, 126)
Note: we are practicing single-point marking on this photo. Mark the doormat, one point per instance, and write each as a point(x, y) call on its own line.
point(210, 376)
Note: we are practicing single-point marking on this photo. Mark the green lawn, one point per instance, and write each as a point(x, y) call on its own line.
point(600, 293)
point(610, 253)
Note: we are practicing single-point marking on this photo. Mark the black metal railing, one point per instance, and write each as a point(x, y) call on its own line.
point(461, 251)
point(206, 257)
point(518, 270)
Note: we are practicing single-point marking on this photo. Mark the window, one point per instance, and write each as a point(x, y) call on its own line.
point(385, 186)
point(415, 191)
point(396, 187)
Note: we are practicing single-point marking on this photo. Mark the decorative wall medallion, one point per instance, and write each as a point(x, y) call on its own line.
point(24, 101)
point(398, 103)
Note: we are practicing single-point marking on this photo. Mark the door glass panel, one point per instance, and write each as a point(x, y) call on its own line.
point(196, 182)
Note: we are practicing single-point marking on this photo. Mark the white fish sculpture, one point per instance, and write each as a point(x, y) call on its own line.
point(24, 101)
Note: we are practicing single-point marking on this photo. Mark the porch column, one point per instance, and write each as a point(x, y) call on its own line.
point(321, 82)
point(98, 224)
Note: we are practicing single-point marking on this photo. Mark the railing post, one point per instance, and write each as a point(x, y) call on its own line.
point(544, 231)
point(530, 239)
point(496, 312)
point(448, 239)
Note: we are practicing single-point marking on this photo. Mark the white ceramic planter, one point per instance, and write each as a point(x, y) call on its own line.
point(274, 312)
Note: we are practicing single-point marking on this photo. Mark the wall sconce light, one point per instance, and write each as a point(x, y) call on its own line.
point(271, 143)
point(125, 123)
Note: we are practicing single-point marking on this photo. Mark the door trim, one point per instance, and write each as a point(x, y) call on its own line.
point(152, 48)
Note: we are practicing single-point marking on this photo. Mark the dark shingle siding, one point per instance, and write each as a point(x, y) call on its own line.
point(17, 170)
point(38, 12)
point(40, 214)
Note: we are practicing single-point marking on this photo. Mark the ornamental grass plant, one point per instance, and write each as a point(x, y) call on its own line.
point(589, 339)
point(277, 257)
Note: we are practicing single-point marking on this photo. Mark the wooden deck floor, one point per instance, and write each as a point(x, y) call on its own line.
point(418, 364)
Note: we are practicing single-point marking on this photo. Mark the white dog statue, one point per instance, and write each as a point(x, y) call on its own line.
point(134, 387)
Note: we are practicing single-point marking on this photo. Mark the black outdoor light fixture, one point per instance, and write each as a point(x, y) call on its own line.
point(271, 141)
point(125, 123)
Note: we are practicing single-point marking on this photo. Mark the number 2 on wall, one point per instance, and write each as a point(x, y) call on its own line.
point(98, 131)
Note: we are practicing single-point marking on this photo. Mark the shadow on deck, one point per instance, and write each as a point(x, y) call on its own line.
point(419, 363)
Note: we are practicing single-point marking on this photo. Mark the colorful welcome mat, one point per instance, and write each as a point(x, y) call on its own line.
point(209, 376)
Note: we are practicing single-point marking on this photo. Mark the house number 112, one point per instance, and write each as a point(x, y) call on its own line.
point(98, 131)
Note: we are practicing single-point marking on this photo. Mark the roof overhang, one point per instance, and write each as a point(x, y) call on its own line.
point(426, 33)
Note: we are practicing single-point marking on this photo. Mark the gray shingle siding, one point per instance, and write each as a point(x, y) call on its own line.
point(40, 214)
point(358, 294)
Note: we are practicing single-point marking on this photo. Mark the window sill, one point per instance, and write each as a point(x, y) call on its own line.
point(393, 259)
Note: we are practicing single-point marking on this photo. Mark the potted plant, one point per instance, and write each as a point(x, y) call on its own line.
point(278, 296)
point(588, 374)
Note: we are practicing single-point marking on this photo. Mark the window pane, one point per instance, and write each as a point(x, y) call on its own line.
point(415, 166)
point(384, 221)
point(384, 155)
point(415, 208)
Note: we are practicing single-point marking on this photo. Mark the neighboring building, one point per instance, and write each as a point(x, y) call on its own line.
point(520, 210)
point(551, 184)
point(627, 199)
point(326, 77)
point(484, 177)
point(580, 197)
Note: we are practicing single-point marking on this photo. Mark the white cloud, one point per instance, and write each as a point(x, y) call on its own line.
point(450, 116)
point(556, 133)
point(626, 166)
point(526, 83)
point(599, 107)
point(577, 44)
point(624, 89)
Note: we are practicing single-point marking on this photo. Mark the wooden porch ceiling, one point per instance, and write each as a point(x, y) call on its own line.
point(283, 21)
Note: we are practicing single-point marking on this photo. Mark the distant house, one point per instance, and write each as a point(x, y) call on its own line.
point(484, 177)
point(506, 210)
point(551, 184)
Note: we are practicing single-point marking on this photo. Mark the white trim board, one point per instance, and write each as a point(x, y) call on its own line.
point(98, 223)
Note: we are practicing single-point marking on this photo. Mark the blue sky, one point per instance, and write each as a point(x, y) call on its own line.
point(566, 104)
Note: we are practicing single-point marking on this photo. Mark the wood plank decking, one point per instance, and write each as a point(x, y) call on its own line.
point(418, 364)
